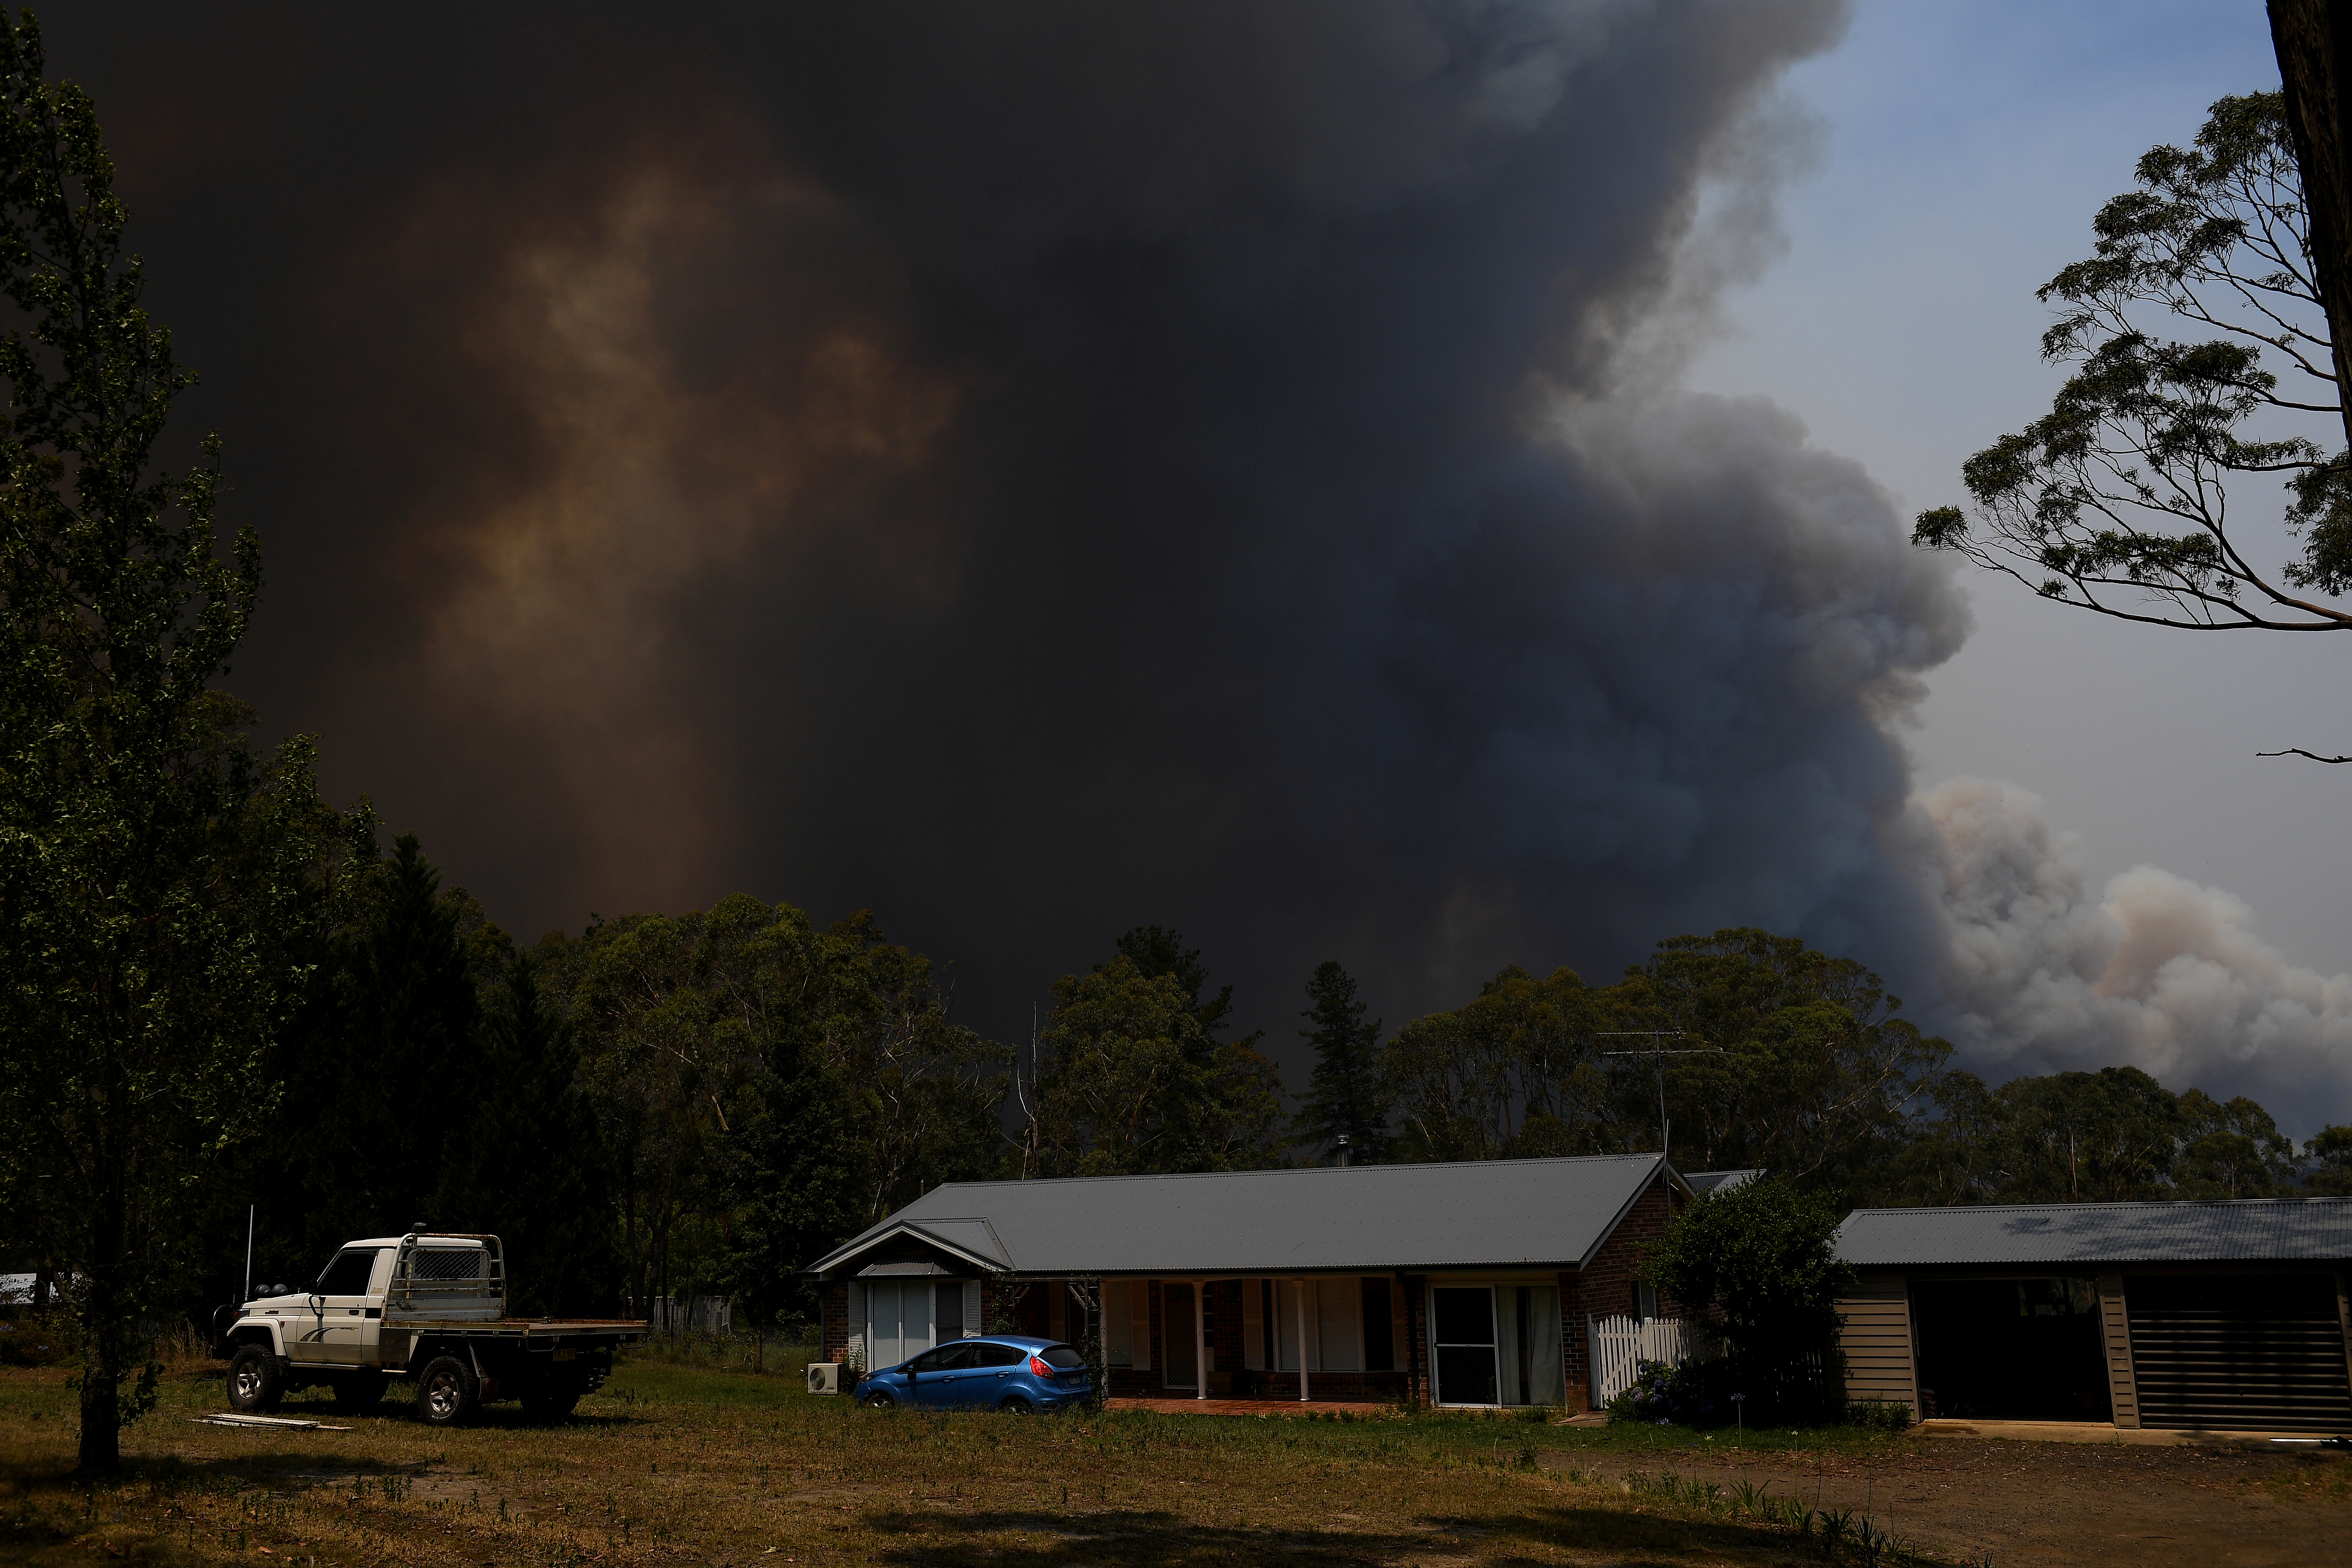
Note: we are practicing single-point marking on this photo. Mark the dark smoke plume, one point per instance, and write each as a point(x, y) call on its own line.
point(1037, 469)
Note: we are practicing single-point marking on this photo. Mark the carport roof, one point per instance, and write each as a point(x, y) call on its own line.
point(2240, 1230)
point(1466, 1214)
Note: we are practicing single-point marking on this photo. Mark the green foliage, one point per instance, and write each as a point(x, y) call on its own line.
point(766, 1088)
point(2330, 1151)
point(1758, 1263)
point(2117, 499)
point(1345, 1097)
point(2103, 1136)
point(1812, 1074)
point(157, 876)
point(1879, 1414)
point(382, 1067)
point(2230, 1151)
point(1517, 1071)
point(1798, 1061)
point(1131, 1078)
point(529, 1162)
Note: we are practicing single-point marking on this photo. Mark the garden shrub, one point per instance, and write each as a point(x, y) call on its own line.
point(1757, 1265)
point(1879, 1414)
point(1696, 1394)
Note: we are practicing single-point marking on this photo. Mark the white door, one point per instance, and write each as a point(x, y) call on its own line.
point(335, 1326)
point(897, 1321)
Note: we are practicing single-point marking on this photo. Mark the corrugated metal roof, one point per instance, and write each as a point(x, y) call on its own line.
point(1719, 1180)
point(2245, 1229)
point(1474, 1213)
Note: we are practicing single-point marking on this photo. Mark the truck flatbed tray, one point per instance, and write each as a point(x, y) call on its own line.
point(526, 1326)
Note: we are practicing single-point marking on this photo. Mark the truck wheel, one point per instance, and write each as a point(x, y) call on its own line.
point(449, 1392)
point(254, 1380)
point(360, 1390)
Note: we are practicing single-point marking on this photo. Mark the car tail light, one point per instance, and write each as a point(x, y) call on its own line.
point(1037, 1365)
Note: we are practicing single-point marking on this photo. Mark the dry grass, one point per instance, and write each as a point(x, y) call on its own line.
point(676, 1463)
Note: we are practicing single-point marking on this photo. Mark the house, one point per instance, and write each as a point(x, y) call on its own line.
point(1467, 1284)
point(2213, 1316)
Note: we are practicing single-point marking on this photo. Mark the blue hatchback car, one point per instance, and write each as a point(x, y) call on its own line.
point(1000, 1372)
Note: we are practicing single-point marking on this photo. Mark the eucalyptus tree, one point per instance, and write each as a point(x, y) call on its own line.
point(2203, 399)
point(1130, 1076)
point(157, 874)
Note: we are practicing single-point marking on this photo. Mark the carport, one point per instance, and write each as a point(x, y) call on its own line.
point(2190, 1316)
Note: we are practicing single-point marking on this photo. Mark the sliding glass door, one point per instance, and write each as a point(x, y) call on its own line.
point(1462, 1323)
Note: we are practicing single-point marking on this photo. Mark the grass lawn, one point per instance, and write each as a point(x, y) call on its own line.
point(679, 1463)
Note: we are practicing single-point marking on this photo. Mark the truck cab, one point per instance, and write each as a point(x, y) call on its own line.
point(426, 1305)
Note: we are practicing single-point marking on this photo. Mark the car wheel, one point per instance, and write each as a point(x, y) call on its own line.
point(254, 1380)
point(449, 1392)
point(1018, 1406)
point(360, 1390)
point(880, 1400)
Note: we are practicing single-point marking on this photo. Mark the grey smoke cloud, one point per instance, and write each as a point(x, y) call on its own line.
point(2044, 974)
point(1035, 469)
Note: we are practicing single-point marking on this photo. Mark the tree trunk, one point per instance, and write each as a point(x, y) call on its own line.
point(103, 1332)
point(2314, 42)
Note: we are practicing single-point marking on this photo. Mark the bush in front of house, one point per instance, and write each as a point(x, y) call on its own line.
point(1757, 1265)
point(1696, 1394)
point(1879, 1414)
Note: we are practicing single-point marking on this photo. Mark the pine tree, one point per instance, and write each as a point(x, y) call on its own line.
point(1344, 1097)
point(532, 1166)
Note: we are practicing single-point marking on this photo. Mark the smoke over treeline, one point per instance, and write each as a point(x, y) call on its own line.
point(1032, 470)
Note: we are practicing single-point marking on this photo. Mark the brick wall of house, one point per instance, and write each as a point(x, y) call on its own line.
point(833, 1319)
point(1605, 1289)
point(1412, 1355)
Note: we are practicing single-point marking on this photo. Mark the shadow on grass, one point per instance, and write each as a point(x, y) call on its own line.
point(1158, 1538)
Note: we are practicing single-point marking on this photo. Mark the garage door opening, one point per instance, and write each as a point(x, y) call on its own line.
point(2011, 1350)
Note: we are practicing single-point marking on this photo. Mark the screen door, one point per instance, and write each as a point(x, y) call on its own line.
point(1462, 1318)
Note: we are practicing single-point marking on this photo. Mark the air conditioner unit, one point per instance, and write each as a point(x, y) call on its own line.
point(824, 1377)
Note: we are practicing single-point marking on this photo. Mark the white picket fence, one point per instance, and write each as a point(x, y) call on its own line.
point(1620, 1344)
point(700, 1314)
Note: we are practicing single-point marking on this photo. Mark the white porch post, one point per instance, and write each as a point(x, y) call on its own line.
point(1200, 1339)
point(1298, 1312)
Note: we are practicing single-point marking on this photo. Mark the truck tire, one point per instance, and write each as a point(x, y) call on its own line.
point(360, 1390)
point(550, 1399)
point(254, 1382)
point(449, 1392)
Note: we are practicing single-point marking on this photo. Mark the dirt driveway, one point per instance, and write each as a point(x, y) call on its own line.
point(2028, 1504)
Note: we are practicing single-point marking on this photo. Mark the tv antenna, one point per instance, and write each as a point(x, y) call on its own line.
point(1660, 1053)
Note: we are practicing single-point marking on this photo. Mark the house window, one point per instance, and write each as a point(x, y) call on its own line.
point(1461, 1323)
point(1645, 1301)
point(1331, 1309)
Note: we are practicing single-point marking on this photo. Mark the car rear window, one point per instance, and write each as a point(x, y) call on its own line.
point(1063, 1357)
point(1001, 1355)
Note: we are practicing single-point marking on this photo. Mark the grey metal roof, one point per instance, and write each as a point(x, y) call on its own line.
point(2240, 1230)
point(1724, 1181)
point(1472, 1214)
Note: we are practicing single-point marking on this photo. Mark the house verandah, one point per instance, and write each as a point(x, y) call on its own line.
point(1463, 1284)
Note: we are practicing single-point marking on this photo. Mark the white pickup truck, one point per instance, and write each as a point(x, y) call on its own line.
point(427, 1306)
